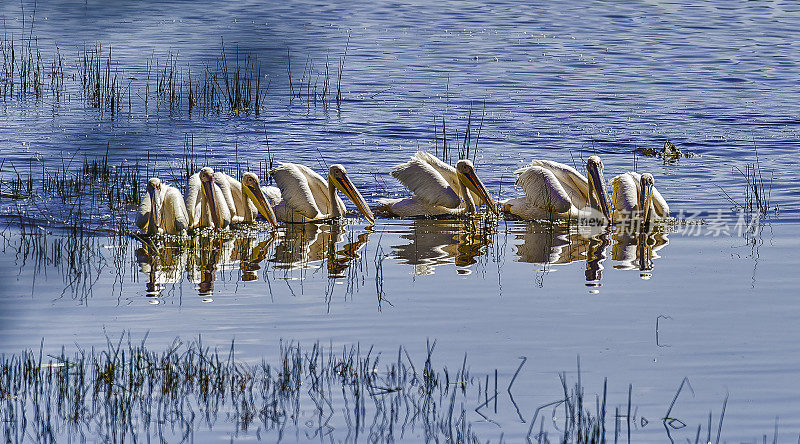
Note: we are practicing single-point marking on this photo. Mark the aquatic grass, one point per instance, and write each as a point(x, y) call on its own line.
point(122, 391)
point(100, 80)
point(23, 70)
point(466, 144)
point(232, 84)
point(91, 195)
point(125, 389)
point(757, 191)
point(315, 87)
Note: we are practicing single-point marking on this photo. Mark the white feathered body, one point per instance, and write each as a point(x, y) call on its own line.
point(301, 195)
point(173, 215)
point(625, 196)
point(197, 204)
point(552, 190)
point(242, 211)
point(435, 188)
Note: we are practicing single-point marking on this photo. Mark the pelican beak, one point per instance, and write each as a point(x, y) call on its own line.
point(474, 184)
point(597, 185)
point(208, 191)
point(257, 196)
point(346, 186)
point(645, 202)
point(155, 211)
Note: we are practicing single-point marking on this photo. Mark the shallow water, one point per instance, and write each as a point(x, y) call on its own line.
point(494, 293)
point(563, 81)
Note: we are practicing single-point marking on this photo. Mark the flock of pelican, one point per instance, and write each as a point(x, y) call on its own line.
point(552, 190)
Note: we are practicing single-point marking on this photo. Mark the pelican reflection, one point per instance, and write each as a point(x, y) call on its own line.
point(637, 251)
point(302, 246)
point(251, 252)
point(549, 244)
point(340, 260)
point(163, 262)
point(308, 245)
point(595, 256)
point(435, 242)
point(208, 253)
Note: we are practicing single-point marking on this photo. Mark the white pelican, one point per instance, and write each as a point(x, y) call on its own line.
point(248, 199)
point(304, 196)
point(209, 200)
point(554, 190)
point(162, 210)
point(438, 189)
point(635, 195)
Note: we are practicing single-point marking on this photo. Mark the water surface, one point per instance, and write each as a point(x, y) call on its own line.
point(561, 81)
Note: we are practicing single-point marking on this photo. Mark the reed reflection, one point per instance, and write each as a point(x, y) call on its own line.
point(436, 242)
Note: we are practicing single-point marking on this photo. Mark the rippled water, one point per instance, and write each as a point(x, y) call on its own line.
point(561, 81)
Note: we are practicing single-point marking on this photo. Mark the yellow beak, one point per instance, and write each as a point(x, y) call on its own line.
point(598, 186)
point(208, 191)
point(346, 186)
point(262, 205)
point(155, 212)
point(474, 184)
point(645, 202)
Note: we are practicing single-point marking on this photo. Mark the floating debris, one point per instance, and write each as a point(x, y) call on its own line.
point(670, 153)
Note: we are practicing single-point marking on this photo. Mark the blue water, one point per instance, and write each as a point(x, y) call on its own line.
point(561, 81)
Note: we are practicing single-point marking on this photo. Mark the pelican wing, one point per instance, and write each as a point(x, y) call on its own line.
point(543, 189)
point(574, 183)
point(426, 183)
point(660, 204)
point(273, 194)
point(296, 191)
point(319, 189)
point(194, 200)
point(625, 191)
point(144, 212)
point(235, 188)
point(175, 219)
point(449, 174)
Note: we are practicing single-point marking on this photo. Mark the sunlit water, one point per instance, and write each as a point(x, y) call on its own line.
point(562, 81)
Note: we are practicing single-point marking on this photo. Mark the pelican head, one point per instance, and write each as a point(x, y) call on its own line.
point(646, 196)
point(251, 187)
point(207, 181)
point(338, 177)
point(598, 196)
point(467, 176)
point(154, 190)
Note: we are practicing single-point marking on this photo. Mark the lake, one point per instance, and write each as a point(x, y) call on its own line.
point(140, 89)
